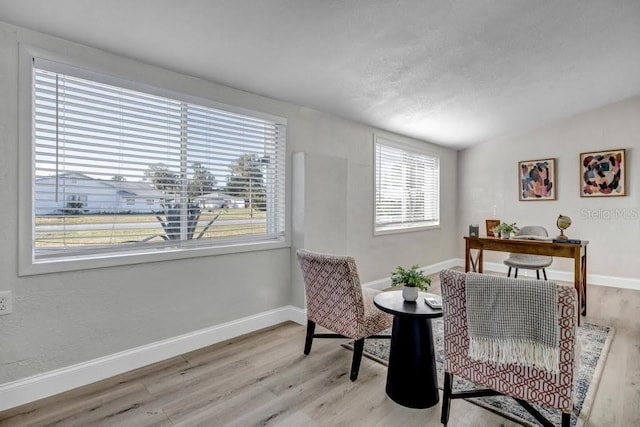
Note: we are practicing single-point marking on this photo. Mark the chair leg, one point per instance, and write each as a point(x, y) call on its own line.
point(516, 275)
point(538, 274)
point(509, 272)
point(566, 419)
point(544, 273)
point(446, 397)
point(358, 348)
point(311, 327)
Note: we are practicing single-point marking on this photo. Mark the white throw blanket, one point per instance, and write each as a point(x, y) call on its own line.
point(513, 321)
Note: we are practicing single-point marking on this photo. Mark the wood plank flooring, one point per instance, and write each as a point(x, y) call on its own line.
point(263, 379)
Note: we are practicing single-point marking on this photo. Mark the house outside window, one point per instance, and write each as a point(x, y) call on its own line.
point(407, 187)
point(114, 143)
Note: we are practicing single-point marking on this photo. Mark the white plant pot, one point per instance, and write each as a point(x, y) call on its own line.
point(409, 293)
point(505, 235)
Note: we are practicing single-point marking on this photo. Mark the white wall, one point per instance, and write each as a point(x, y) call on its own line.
point(488, 178)
point(337, 211)
point(61, 319)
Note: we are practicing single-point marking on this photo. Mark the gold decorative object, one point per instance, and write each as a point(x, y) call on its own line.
point(563, 222)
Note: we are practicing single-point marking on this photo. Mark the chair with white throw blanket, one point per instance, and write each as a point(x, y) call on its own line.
point(514, 337)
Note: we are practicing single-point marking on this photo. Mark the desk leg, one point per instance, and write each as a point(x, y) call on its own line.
point(584, 282)
point(577, 282)
point(471, 264)
point(474, 262)
point(411, 377)
point(467, 256)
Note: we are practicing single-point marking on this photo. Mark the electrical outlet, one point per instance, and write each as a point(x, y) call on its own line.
point(5, 302)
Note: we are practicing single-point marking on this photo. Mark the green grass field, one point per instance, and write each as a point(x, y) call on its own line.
point(119, 229)
point(131, 218)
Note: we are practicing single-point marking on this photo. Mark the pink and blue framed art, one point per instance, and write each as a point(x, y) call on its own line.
point(537, 179)
point(603, 173)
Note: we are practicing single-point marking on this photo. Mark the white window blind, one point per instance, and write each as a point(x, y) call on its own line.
point(407, 187)
point(119, 170)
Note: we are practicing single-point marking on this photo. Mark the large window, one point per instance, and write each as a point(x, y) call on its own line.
point(117, 170)
point(407, 187)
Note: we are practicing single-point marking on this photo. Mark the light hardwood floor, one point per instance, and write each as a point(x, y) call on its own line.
point(263, 379)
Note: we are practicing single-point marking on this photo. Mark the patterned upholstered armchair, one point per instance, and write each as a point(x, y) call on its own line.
point(336, 301)
point(526, 384)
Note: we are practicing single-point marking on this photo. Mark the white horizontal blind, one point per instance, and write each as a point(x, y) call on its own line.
point(121, 170)
point(407, 187)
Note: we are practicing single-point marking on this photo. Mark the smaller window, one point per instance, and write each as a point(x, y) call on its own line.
point(150, 202)
point(131, 201)
point(407, 187)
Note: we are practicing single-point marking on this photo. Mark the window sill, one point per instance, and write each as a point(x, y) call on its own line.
point(142, 257)
point(404, 229)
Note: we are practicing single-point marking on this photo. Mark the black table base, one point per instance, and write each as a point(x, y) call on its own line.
point(410, 381)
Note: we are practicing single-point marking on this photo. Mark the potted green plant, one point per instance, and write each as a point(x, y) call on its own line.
point(412, 280)
point(505, 229)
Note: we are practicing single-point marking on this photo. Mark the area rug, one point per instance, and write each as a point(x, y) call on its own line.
point(594, 342)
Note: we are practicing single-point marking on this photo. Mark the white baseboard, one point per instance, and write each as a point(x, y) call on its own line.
point(429, 269)
point(566, 276)
point(37, 387)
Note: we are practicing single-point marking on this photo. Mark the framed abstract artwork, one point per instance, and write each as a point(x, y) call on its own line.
point(603, 173)
point(537, 179)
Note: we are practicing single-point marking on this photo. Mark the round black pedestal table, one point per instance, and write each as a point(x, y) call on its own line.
point(411, 377)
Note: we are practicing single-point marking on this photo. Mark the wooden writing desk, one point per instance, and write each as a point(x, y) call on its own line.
point(577, 251)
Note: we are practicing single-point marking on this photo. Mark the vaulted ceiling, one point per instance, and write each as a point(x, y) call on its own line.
point(455, 73)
